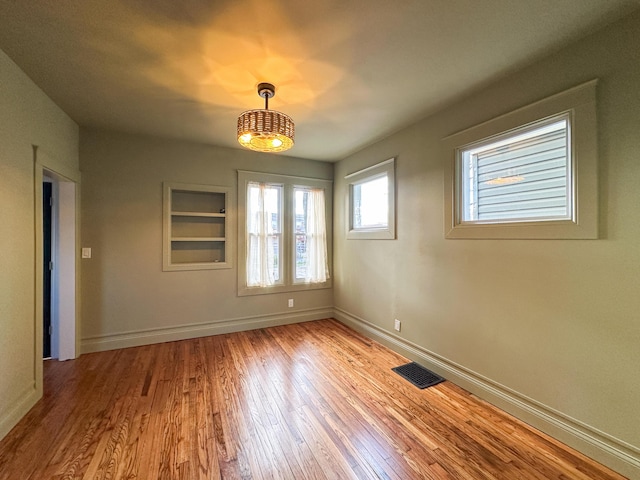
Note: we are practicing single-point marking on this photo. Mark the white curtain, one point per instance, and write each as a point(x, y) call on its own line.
point(317, 267)
point(262, 260)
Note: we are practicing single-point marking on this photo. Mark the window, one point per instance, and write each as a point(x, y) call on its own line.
point(519, 175)
point(522, 176)
point(284, 232)
point(372, 202)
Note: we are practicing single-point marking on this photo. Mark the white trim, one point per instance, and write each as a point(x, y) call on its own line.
point(602, 447)
point(136, 338)
point(368, 169)
point(20, 407)
point(168, 189)
point(291, 178)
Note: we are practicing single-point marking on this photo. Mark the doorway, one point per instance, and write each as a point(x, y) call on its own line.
point(47, 265)
point(59, 266)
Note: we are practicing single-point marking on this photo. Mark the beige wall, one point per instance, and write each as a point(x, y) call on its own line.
point(549, 329)
point(127, 298)
point(27, 117)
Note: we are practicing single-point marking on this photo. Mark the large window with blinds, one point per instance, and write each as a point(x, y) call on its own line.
point(523, 175)
point(527, 174)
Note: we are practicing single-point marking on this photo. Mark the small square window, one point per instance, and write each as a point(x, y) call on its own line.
point(372, 202)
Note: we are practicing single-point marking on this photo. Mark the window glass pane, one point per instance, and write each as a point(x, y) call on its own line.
point(264, 228)
point(301, 260)
point(371, 203)
point(522, 176)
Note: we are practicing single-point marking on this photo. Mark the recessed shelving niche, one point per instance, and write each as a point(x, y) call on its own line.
point(196, 227)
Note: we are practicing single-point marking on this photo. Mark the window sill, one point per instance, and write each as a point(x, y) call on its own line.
point(379, 234)
point(249, 291)
point(548, 230)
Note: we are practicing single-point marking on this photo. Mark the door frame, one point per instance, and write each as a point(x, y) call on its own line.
point(67, 244)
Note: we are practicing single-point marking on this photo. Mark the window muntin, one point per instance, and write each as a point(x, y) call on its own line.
point(521, 175)
point(371, 203)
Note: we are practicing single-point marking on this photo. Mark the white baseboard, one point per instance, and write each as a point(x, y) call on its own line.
point(170, 334)
point(606, 449)
point(25, 401)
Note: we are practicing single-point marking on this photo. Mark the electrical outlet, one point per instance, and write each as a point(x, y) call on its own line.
point(396, 325)
point(290, 302)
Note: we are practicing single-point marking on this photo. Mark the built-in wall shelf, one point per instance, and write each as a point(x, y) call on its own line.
point(195, 224)
point(198, 214)
point(198, 239)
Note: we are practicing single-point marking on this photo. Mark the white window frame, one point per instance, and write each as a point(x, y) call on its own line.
point(579, 104)
point(382, 169)
point(287, 282)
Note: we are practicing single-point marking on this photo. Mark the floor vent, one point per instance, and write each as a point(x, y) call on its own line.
point(418, 375)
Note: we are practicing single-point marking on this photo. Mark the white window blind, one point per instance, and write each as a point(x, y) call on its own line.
point(522, 176)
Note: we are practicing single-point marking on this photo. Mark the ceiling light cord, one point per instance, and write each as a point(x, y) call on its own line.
point(266, 91)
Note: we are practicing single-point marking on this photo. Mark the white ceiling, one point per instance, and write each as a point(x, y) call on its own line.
point(349, 72)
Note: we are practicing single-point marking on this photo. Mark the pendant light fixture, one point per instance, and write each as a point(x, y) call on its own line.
point(266, 130)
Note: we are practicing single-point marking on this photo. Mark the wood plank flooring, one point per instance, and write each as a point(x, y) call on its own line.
point(307, 401)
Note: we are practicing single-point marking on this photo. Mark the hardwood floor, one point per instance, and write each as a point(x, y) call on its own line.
point(312, 400)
